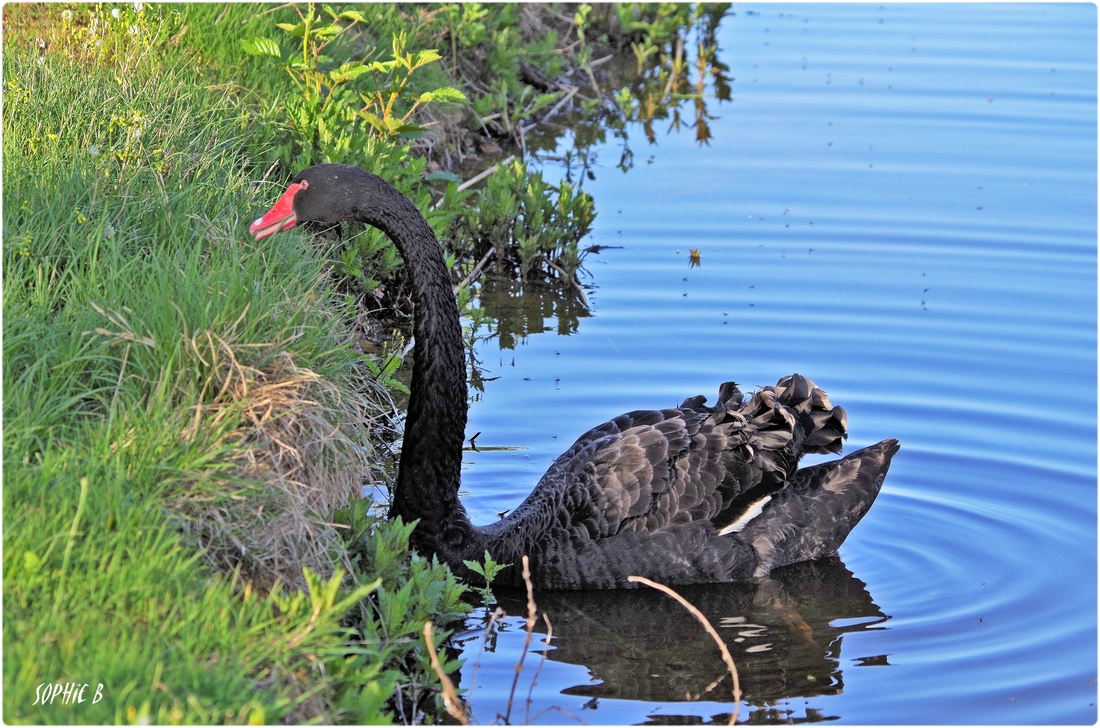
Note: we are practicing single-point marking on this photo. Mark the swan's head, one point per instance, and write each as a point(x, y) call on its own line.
point(327, 193)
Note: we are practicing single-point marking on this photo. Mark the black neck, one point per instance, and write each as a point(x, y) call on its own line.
point(431, 457)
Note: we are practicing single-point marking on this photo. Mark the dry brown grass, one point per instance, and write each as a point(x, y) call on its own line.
point(300, 448)
point(302, 453)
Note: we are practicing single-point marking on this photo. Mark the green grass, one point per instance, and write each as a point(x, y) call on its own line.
point(167, 383)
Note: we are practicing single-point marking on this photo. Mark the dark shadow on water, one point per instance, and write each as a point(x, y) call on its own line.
point(784, 632)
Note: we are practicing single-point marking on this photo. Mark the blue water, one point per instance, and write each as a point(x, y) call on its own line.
point(900, 202)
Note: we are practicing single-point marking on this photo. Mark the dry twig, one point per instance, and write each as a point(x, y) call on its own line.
point(557, 107)
point(726, 657)
point(476, 271)
point(538, 670)
point(451, 701)
point(572, 281)
point(474, 180)
point(531, 609)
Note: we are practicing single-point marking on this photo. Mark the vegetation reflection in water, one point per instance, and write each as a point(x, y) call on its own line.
point(785, 633)
point(650, 82)
point(667, 69)
point(671, 79)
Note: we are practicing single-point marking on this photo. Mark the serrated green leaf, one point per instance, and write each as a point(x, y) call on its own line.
point(261, 47)
point(357, 595)
point(474, 566)
point(423, 58)
point(371, 119)
point(354, 15)
point(392, 364)
point(443, 175)
point(347, 72)
point(382, 66)
point(298, 30)
point(394, 605)
point(544, 100)
point(445, 94)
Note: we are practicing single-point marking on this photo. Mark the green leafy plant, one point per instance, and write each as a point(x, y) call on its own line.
point(412, 591)
point(384, 372)
point(509, 107)
point(391, 86)
point(340, 105)
point(487, 569)
point(465, 22)
point(534, 225)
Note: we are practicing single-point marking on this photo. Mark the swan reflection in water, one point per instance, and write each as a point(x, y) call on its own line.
point(784, 632)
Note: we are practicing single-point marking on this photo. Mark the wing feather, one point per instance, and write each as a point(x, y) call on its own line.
point(651, 478)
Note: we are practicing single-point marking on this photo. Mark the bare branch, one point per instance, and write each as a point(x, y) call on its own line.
point(726, 657)
point(451, 701)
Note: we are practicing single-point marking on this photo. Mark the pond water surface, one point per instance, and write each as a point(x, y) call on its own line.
point(900, 203)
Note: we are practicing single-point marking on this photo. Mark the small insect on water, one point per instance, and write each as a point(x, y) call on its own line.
point(695, 259)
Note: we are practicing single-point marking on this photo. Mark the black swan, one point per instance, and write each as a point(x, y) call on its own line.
point(681, 495)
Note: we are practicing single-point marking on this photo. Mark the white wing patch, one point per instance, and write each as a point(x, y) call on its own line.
point(750, 513)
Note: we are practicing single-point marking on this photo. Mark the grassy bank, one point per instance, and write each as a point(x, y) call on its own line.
point(177, 399)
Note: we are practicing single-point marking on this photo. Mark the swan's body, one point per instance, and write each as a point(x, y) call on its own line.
point(682, 495)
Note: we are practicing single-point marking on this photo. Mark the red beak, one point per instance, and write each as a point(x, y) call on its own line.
point(281, 216)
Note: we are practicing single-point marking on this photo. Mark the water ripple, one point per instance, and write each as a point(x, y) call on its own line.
point(926, 255)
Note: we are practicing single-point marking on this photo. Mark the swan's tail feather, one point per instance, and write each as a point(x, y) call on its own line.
point(825, 426)
point(779, 424)
point(812, 515)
